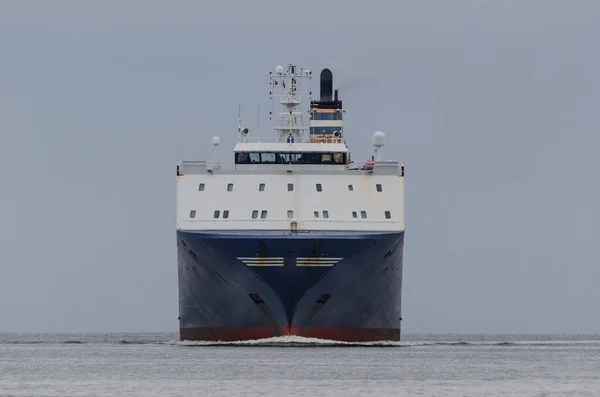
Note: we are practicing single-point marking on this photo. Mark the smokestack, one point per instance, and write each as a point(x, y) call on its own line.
point(326, 85)
point(335, 96)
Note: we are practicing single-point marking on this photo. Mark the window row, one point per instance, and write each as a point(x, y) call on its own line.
point(290, 187)
point(216, 214)
point(290, 214)
point(290, 158)
point(363, 214)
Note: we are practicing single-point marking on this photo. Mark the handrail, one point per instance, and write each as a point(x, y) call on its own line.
point(213, 166)
point(220, 165)
point(272, 139)
point(298, 221)
point(265, 139)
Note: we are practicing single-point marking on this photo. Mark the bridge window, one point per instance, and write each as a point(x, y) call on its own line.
point(354, 215)
point(378, 186)
point(201, 187)
point(290, 214)
point(216, 214)
point(351, 188)
point(254, 214)
point(229, 187)
point(290, 158)
point(263, 214)
point(363, 214)
point(225, 214)
point(319, 187)
point(388, 214)
point(290, 187)
point(192, 213)
point(325, 214)
point(267, 157)
point(261, 187)
point(316, 213)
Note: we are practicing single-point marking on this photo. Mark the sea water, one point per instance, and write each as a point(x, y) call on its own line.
point(421, 365)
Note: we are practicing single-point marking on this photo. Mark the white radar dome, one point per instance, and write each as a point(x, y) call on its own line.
point(216, 141)
point(279, 69)
point(378, 139)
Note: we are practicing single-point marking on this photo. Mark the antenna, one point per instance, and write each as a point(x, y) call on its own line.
point(242, 131)
point(257, 118)
point(239, 118)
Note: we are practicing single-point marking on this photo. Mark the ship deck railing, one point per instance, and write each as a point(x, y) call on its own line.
point(322, 138)
point(207, 166)
point(305, 221)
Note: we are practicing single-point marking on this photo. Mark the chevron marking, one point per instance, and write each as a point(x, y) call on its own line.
point(262, 262)
point(320, 262)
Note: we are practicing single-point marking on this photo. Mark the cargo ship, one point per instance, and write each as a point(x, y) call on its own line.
point(292, 237)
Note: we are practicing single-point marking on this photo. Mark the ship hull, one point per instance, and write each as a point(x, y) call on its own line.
point(260, 284)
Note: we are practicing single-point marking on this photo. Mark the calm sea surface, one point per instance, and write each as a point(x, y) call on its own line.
point(421, 365)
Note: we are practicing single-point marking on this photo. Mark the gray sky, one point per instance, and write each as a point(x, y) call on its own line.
point(493, 106)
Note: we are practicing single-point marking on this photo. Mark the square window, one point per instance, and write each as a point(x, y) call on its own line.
point(192, 213)
point(261, 187)
point(263, 214)
point(388, 214)
point(319, 187)
point(230, 187)
point(201, 187)
point(378, 186)
point(325, 214)
point(290, 187)
point(354, 214)
point(351, 188)
point(363, 214)
point(254, 214)
point(226, 214)
point(290, 214)
point(316, 214)
point(216, 214)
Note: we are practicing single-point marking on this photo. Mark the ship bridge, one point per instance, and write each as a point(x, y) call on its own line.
point(250, 155)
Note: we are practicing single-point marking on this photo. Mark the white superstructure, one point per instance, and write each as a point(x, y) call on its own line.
point(293, 183)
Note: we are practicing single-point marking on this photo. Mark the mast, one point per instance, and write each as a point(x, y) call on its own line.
point(291, 122)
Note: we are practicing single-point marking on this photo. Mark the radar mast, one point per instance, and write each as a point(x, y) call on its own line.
point(291, 121)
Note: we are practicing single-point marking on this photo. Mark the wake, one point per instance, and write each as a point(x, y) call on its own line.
point(299, 341)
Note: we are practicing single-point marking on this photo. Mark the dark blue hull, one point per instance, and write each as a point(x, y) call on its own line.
point(331, 285)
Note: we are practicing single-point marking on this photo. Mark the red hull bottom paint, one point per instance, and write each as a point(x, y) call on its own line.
point(230, 334)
